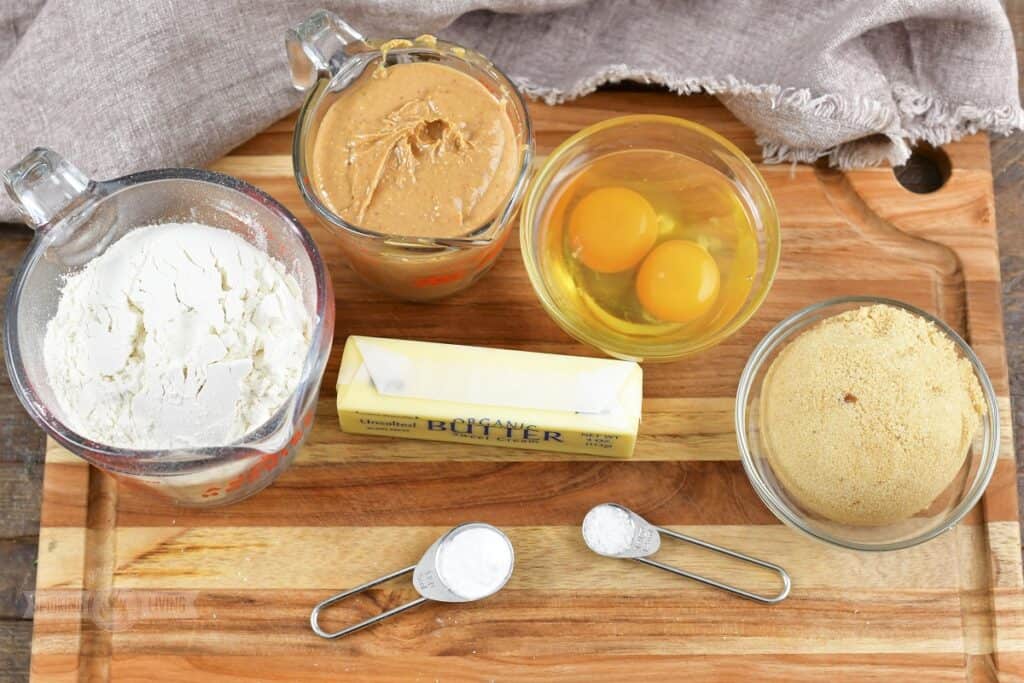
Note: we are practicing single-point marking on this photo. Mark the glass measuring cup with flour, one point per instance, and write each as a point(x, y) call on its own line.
point(470, 562)
point(170, 327)
point(415, 153)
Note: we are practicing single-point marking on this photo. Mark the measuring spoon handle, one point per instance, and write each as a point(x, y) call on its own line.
point(756, 597)
point(314, 616)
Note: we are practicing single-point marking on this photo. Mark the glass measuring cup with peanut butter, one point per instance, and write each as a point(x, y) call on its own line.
point(415, 152)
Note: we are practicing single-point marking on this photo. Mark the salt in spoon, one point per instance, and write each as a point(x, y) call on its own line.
point(613, 530)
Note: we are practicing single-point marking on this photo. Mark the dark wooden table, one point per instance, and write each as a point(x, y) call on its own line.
point(22, 444)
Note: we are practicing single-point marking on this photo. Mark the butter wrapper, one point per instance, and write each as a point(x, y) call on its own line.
point(490, 397)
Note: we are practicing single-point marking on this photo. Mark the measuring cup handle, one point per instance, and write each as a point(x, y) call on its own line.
point(317, 46)
point(44, 186)
point(314, 616)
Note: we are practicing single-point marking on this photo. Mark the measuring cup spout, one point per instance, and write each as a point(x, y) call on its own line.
point(317, 47)
point(314, 616)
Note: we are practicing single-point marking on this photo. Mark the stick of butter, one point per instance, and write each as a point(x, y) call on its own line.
point(493, 397)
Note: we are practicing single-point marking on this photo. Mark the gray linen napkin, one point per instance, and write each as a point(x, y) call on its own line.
point(117, 85)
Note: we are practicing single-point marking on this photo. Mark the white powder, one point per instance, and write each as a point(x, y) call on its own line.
point(475, 562)
point(179, 335)
point(608, 530)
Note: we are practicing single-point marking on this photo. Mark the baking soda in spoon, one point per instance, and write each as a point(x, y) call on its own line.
point(471, 562)
point(476, 562)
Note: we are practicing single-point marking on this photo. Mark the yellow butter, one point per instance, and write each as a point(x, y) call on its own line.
point(492, 397)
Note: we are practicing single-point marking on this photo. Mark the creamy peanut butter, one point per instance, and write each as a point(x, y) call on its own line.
point(416, 149)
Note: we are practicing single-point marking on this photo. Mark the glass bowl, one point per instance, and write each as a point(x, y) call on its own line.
point(653, 132)
point(76, 220)
point(944, 512)
point(327, 57)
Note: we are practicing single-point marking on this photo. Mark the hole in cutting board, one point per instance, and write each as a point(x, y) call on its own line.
point(927, 169)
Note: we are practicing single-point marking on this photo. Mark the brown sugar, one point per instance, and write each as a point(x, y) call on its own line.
point(868, 416)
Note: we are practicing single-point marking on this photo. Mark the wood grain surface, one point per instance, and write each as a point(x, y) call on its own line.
point(1008, 175)
point(129, 588)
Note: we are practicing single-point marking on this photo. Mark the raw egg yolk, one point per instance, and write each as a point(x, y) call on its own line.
point(678, 281)
point(612, 229)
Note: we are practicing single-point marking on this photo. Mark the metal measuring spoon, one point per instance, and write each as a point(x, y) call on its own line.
point(630, 536)
point(431, 577)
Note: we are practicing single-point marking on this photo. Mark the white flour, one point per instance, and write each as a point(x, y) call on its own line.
point(475, 562)
point(180, 335)
point(608, 530)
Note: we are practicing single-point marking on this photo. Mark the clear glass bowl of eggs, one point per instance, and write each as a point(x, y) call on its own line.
point(867, 423)
point(649, 237)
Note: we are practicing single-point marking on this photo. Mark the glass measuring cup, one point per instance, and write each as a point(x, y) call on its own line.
point(76, 220)
point(327, 56)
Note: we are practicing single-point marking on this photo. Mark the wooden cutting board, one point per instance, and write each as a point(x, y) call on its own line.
point(130, 588)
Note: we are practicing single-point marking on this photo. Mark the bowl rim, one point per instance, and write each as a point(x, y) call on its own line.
point(541, 180)
point(784, 330)
point(121, 459)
